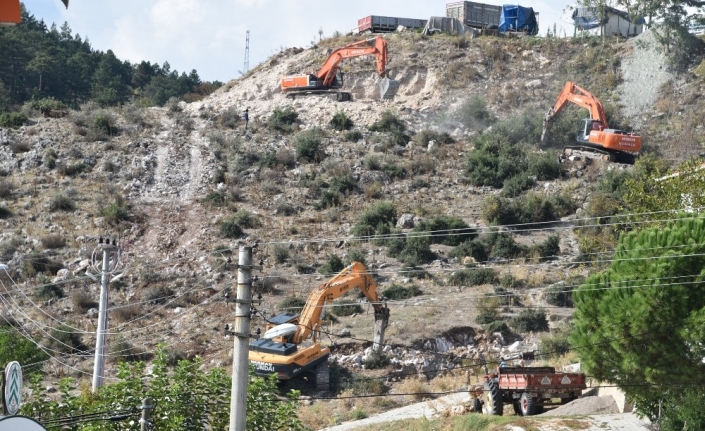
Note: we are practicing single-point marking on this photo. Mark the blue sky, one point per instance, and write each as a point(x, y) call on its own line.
point(209, 35)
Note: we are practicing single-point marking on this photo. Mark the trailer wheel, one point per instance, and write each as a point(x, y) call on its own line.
point(476, 405)
point(492, 399)
point(527, 404)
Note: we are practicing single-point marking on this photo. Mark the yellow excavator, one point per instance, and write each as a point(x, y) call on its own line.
point(291, 347)
point(10, 11)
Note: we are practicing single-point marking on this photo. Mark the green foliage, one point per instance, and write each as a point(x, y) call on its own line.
point(12, 119)
point(117, 211)
point(229, 228)
point(517, 184)
point(61, 202)
point(176, 392)
point(498, 326)
point(340, 121)
point(425, 136)
point(344, 307)
point(308, 145)
point(398, 292)
point(353, 136)
point(362, 385)
point(390, 123)
point(283, 119)
point(16, 347)
point(559, 295)
point(473, 277)
point(73, 169)
point(645, 313)
point(280, 253)
point(446, 230)
point(376, 360)
point(416, 251)
point(376, 220)
point(531, 208)
point(292, 304)
point(333, 265)
point(473, 113)
point(245, 219)
point(555, 343)
point(214, 198)
point(65, 339)
point(530, 320)
point(355, 255)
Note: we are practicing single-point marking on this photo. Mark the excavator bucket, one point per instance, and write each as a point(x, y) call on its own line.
point(388, 88)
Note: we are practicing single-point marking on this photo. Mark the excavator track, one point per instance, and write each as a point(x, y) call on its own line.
point(340, 96)
point(607, 156)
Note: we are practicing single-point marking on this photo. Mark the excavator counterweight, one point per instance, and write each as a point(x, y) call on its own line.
point(328, 79)
point(594, 134)
point(290, 346)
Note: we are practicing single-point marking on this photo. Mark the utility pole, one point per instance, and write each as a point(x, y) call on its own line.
point(111, 260)
point(145, 424)
point(241, 334)
point(247, 53)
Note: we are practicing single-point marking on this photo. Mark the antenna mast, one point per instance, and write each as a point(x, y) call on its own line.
point(247, 53)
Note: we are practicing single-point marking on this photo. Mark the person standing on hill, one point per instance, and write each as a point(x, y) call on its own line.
point(246, 117)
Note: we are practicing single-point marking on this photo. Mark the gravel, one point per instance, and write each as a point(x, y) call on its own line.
point(644, 71)
point(586, 406)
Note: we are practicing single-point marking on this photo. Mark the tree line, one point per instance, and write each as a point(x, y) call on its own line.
point(41, 62)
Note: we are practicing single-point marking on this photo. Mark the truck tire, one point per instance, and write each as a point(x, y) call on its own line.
point(517, 407)
point(323, 376)
point(527, 404)
point(492, 399)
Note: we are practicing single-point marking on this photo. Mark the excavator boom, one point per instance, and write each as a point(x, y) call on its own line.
point(594, 133)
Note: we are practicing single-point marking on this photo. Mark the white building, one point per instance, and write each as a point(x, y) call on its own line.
point(616, 22)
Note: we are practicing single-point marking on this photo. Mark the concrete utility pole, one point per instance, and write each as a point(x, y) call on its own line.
point(145, 424)
point(111, 259)
point(241, 334)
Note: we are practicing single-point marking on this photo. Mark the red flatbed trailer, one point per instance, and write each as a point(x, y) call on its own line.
point(528, 389)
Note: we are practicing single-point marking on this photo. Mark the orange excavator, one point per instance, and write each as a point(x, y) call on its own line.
point(594, 134)
point(328, 79)
point(290, 346)
point(10, 11)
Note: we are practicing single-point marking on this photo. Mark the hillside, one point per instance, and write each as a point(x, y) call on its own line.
point(172, 182)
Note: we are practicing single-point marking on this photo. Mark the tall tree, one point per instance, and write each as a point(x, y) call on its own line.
point(640, 323)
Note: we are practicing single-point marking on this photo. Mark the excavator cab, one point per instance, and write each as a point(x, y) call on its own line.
point(586, 126)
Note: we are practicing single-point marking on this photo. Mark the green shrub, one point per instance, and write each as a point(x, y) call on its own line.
point(353, 136)
point(122, 351)
point(425, 136)
point(494, 160)
point(230, 229)
point(362, 385)
point(548, 249)
point(61, 202)
point(50, 290)
point(390, 123)
point(416, 251)
point(487, 315)
point(6, 189)
point(71, 170)
point(214, 199)
point(498, 326)
point(340, 121)
point(355, 255)
point(104, 123)
point(559, 295)
point(280, 253)
point(116, 211)
point(516, 185)
point(446, 230)
point(246, 219)
point(544, 166)
point(473, 277)
point(64, 339)
point(475, 249)
point(376, 360)
point(12, 119)
point(283, 120)
point(53, 241)
point(375, 219)
point(333, 265)
point(399, 292)
point(344, 307)
point(530, 320)
point(308, 145)
point(292, 304)
point(555, 343)
point(230, 118)
point(473, 113)
point(16, 346)
point(157, 294)
point(5, 212)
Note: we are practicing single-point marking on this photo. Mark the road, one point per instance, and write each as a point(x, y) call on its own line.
point(432, 409)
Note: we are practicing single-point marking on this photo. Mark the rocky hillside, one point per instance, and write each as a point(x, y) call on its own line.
point(184, 186)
